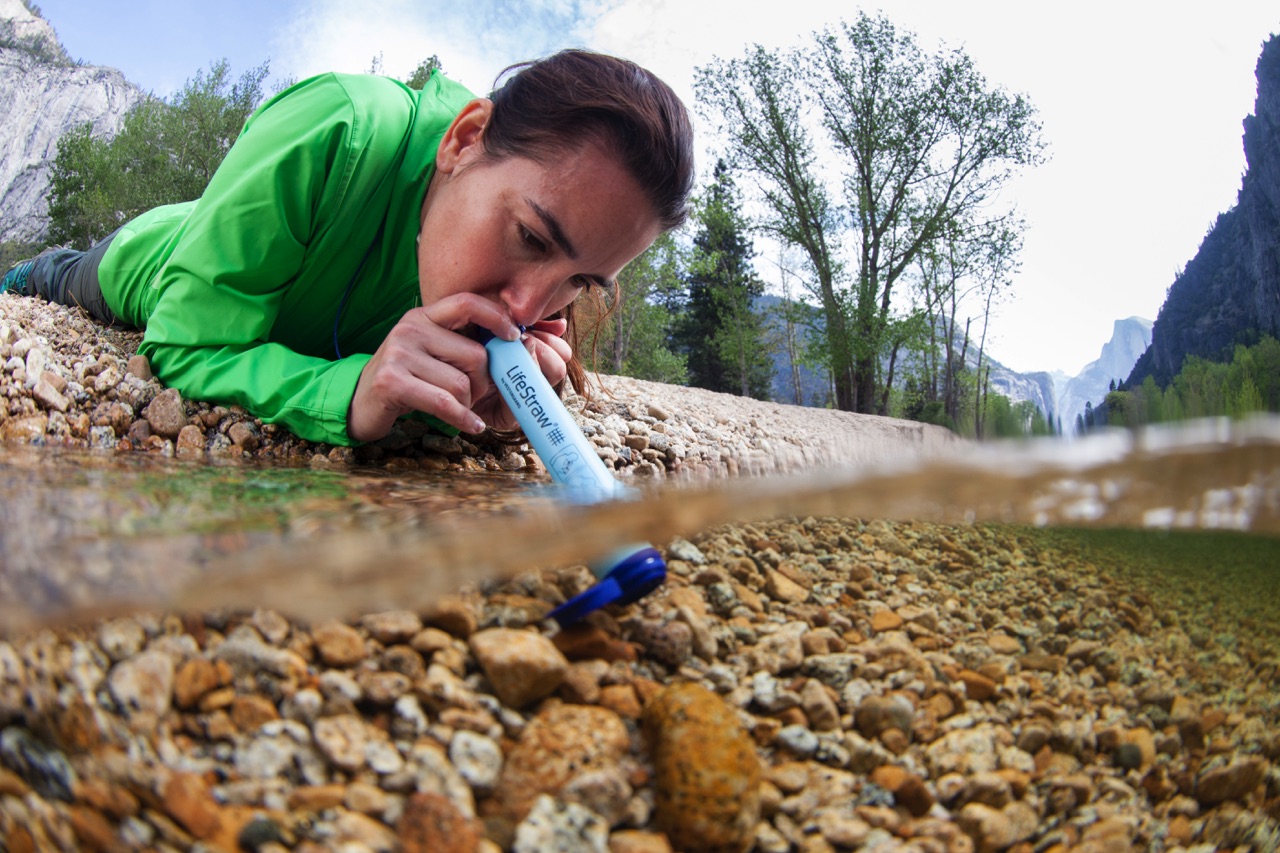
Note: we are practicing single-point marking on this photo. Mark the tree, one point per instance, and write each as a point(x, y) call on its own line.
point(633, 328)
point(423, 72)
point(722, 336)
point(417, 78)
point(792, 325)
point(165, 152)
point(968, 265)
point(920, 143)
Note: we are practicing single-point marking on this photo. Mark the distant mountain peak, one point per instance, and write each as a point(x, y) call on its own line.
point(1130, 338)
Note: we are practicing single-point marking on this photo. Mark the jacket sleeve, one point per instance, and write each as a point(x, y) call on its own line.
point(239, 251)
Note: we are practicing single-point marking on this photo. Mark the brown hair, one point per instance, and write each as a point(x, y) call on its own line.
point(554, 105)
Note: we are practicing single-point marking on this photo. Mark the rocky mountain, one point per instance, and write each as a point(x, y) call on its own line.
point(44, 94)
point(1037, 387)
point(1129, 340)
point(1229, 292)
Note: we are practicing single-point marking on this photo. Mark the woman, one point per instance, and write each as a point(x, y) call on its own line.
point(332, 274)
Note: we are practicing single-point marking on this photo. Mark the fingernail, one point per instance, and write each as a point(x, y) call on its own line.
point(477, 426)
point(513, 333)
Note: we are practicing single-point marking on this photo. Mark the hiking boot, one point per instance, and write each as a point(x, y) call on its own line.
point(15, 279)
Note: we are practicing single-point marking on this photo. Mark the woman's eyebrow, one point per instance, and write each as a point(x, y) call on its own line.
point(553, 226)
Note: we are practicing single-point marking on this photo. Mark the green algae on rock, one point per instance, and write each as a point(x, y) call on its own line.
point(706, 772)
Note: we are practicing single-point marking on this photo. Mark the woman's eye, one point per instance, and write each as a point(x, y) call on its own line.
point(582, 282)
point(533, 241)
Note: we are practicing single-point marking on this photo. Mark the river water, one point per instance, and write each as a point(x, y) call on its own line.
point(84, 535)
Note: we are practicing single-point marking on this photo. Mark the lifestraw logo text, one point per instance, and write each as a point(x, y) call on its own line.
point(527, 394)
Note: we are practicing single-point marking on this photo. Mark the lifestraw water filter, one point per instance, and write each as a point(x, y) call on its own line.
point(628, 573)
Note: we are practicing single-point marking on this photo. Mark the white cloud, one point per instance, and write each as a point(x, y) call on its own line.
point(474, 41)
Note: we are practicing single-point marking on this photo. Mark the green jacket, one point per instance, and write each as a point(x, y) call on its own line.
point(307, 233)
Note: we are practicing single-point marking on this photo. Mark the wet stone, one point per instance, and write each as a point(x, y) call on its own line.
point(1230, 782)
point(522, 666)
point(877, 714)
point(566, 827)
point(393, 626)
point(190, 441)
point(343, 740)
point(38, 764)
point(166, 414)
point(431, 823)
point(338, 644)
point(478, 759)
point(143, 683)
point(561, 742)
point(706, 772)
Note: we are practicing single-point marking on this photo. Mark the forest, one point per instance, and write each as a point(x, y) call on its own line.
point(1247, 384)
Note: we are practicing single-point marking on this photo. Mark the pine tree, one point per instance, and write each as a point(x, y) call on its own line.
point(722, 337)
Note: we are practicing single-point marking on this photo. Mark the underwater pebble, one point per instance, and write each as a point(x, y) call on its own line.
point(559, 743)
point(562, 827)
point(706, 772)
point(477, 758)
point(522, 666)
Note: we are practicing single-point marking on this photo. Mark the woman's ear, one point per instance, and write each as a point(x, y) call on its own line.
point(463, 142)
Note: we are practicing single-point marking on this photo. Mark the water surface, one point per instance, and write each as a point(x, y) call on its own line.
point(86, 534)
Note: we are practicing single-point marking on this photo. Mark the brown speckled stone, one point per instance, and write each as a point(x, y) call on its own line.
point(706, 772)
point(559, 744)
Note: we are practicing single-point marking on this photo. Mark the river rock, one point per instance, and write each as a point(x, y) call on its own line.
point(144, 683)
point(338, 644)
point(166, 414)
point(878, 714)
point(430, 823)
point(478, 758)
point(522, 666)
point(1231, 782)
point(343, 740)
point(989, 828)
point(706, 772)
point(562, 827)
point(561, 742)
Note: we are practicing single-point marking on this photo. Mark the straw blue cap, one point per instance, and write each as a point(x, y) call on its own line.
point(634, 577)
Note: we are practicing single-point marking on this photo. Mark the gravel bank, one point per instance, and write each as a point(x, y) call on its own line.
point(67, 381)
point(808, 684)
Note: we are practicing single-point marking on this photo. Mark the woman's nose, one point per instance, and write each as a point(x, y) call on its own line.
point(529, 299)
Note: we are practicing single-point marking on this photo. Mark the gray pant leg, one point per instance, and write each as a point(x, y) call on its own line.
point(69, 277)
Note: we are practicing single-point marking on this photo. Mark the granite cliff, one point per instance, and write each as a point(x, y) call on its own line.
point(44, 94)
point(1229, 292)
point(1130, 338)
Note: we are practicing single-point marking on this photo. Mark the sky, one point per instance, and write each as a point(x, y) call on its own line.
point(1141, 105)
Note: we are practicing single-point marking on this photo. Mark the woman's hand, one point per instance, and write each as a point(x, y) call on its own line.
point(425, 365)
point(550, 351)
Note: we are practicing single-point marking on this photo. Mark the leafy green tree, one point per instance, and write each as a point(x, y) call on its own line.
point(12, 251)
point(913, 144)
point(1120, 409)
point(1200, 387)
point(165, 152)
point(633, 328)
point(420, 75)
point(959, 278)
point(1153, 399)
point(417, 78)
point(722, 336)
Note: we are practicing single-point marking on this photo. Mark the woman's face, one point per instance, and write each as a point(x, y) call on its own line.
point(530, 236)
